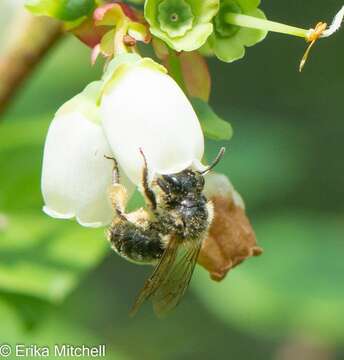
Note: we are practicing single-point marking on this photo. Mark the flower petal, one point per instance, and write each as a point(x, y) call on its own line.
point(228, 42)
point(250, 37)
point(145, 109)
point(193, 40)
point(194, 37)
point(76, 176)
point(217, 184)
point(248, 5)
point(228, 50)
point(231, 239)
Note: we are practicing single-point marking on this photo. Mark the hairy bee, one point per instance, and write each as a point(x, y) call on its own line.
point(167, 234)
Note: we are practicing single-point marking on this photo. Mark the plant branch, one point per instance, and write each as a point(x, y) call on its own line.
point(32, 39)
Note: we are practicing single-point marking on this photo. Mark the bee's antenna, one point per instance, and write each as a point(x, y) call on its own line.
point(143, 155)
point(215, 162)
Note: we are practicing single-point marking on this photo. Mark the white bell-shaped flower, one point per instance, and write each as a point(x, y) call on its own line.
point(76, 176)
point(217, 184)
point(143, 108)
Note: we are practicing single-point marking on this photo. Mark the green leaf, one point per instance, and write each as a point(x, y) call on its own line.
point(10, 322)
point(213, 126)
point(295, 285)
point(60, 329)
point(254, 162)
point(44, 257)
point(67, 10)
point(31, 310)
point(21, 150)
point(57, 326)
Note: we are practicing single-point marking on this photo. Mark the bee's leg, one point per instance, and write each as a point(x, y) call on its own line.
point(130, 234)
point(148, 192)
point(118, 193)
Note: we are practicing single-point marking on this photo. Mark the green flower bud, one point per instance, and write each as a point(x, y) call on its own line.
point(228, 41)
point(184, 25)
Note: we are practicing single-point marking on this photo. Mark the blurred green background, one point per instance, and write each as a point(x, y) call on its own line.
point(59, 283)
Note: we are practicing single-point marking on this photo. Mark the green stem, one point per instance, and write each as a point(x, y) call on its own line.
point(262, 24)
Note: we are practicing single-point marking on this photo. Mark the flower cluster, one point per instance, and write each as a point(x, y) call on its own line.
point(128, 110)
point(187, 25)
point(214, 27)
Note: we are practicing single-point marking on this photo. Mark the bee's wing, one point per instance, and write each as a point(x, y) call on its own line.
point(159, 274)
point(168, 295)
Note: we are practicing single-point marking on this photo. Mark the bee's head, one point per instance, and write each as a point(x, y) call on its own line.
point(181, 184)
point(186, 182)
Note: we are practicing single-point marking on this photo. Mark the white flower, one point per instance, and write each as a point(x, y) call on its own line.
point(76, 177)
point(143, 108)
point(231, 239)
point(136, 106)
point(336, 23)
point(217, 184)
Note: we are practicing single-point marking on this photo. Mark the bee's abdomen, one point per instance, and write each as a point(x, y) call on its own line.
point(135, 243)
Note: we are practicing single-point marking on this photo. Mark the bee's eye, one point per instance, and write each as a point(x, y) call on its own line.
point(164, 186)
point(172, 181)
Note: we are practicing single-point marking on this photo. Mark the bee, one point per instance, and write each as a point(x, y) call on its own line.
point(168, 233)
